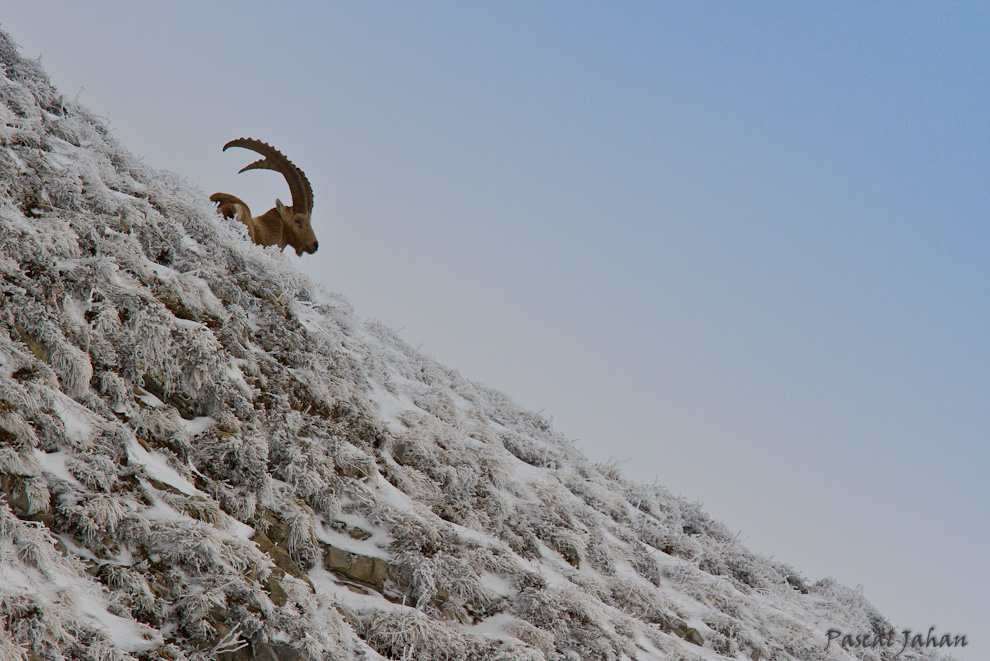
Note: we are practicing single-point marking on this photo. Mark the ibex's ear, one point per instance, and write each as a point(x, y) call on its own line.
point(279, 206)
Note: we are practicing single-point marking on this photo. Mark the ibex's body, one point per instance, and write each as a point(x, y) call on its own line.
point(281, 225)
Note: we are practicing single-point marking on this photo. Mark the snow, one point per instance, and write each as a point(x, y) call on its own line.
point(198, 425)
point(83, 599)
point(356, 599)
point(373, 547)
point(148, 399)
point(54, 463)
point(158, 468)
point(78, 421)
point(392, 407)
point(128, 636)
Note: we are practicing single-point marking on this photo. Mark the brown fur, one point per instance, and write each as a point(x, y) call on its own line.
point(281, 225)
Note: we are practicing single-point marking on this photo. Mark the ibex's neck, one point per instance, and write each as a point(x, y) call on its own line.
point(270, 230)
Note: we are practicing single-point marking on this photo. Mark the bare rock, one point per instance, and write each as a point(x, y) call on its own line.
point(694, 636)
point(275, 592)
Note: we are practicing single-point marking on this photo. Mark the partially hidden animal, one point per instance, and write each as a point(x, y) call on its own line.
point(281, 225)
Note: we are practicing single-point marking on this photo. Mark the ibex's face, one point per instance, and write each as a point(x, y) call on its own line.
point(304, 238)
point(298, 229)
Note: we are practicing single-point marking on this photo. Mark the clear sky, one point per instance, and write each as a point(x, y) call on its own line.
point(741, 249)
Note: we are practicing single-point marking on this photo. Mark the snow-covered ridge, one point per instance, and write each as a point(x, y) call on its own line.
point(203, 453)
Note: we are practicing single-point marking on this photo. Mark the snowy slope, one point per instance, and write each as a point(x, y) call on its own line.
point(203, 453)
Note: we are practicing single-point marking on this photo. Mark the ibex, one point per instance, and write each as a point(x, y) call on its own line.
point(282, 225)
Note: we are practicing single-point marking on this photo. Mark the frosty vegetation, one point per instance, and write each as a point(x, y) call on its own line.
point(205, 455)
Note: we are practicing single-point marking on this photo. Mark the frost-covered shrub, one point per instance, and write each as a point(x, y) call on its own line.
point(541, 640)
point(527, 450)
point(96, 471)
point(161, 428)
point(601, 556)
point(745, 569)
point(578, 629)
point(642, 603)
point(17, 434)
point(519, 535)
point(411, 635)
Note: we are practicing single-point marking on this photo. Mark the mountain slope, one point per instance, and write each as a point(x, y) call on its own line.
point(205, 454)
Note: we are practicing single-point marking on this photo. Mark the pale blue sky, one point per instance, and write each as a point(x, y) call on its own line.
point(742, 249)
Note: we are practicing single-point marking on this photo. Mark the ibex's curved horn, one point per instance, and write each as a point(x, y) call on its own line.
point(302, 192)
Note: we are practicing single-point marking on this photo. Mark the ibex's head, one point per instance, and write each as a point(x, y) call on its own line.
point(297, 229)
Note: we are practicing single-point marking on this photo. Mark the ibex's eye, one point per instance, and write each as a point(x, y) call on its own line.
point(299, 222)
